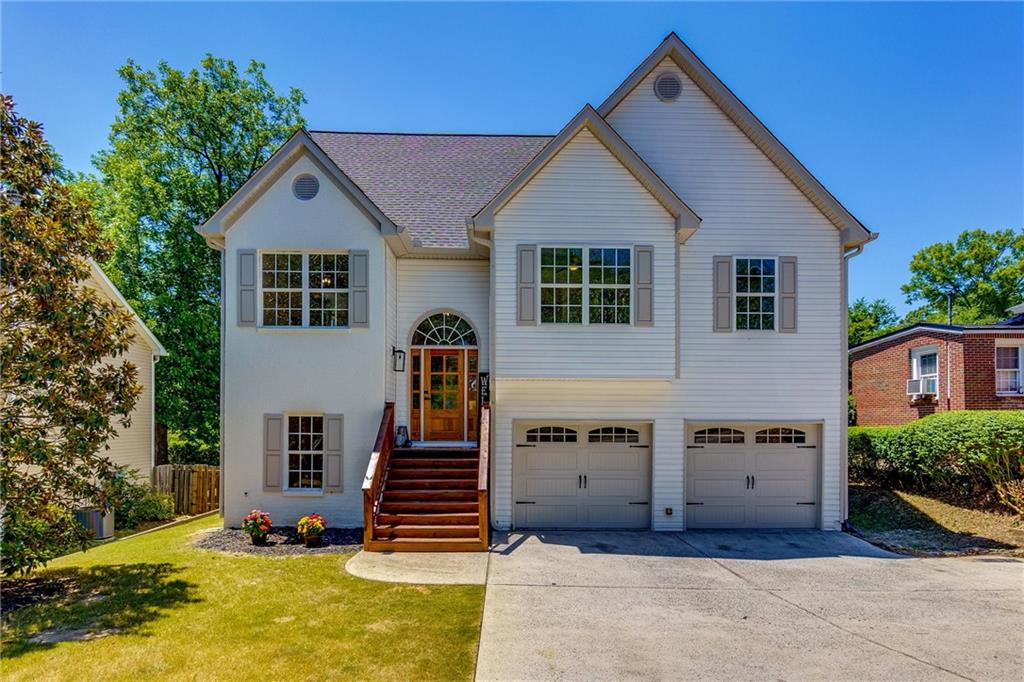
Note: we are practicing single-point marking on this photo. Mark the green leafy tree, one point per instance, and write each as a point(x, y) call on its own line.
point(983, 271)
point(181, 145)
point(869, 319)
point(63, 385)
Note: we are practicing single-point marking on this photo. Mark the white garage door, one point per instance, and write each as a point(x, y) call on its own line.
point(752, 476)
point(589, 475)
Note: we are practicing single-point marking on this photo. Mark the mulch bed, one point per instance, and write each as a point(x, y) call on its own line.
point(281, 542)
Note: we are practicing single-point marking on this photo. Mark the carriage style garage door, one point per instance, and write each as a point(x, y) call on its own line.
point(752, 476)
point(582, 475)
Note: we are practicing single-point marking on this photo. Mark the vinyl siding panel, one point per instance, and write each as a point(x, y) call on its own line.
point(748, 207)
point(391, 312)
point(584, 197)
point(133, 445)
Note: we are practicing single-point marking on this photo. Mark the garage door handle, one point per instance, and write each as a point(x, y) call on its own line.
point(522, 445)
point(694, 504)
point(640, 446)
point(810, 503)
point(584, 480)
point(753, 482)
point(639, 502)
point(748, 482)
point(579, 481)
point(522, 502)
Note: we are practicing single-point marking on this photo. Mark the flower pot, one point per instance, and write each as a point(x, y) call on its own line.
point(312, 540)
point(260, 539)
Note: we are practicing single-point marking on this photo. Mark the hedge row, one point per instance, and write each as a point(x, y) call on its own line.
point(958, 453)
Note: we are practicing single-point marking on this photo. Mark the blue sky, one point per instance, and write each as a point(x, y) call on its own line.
point(910, 113)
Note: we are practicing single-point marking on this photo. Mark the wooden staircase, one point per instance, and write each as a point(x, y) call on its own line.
point(426, 499)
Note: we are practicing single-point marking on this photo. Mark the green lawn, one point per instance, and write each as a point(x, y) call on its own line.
point(182, 613)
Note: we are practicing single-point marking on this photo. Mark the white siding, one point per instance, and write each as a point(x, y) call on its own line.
point(133, 446)
point(278, 371)
point(425, 286)
point(584, 196)
point(747, 207)
point(391, 265)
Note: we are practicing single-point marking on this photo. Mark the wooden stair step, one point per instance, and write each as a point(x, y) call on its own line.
point(394, 474)
point(430, 495)
point(417, 531)
point(440, 518)
point(428, 507)
point(436, 463)
point(430, 483)
point(427, 545)
point(434, 453)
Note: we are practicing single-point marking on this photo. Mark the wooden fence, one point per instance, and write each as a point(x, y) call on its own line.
point(195, 487)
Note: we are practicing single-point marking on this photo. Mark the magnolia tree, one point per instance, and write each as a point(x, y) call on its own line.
point(64, 384)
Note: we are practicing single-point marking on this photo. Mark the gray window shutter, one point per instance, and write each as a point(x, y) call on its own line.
point(359, 289)
point(273, 451)
point(526, 284)
point(643, 286)
point(334, 444)
point(787, 294)
point(247, 287)
point(722, 274)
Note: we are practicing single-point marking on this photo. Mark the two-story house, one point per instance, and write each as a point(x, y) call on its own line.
point(651, 301)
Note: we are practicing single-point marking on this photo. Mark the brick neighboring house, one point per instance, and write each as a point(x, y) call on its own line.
point(926, 368)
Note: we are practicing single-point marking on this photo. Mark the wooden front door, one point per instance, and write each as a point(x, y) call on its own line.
point(443, 393)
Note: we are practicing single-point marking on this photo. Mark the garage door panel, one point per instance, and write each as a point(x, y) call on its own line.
point(784, 516)
point(616, 461)
point(552, 460)
point(551, 487)
point(717, 460)
point(707, 486)
point(551, 515)
point(583, 484)
point(751, 484)
point(716, 515)
point(784, 460)
point(615, 487)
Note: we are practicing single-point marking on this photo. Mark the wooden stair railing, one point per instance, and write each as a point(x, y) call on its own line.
point(376, 471)
point(483, 472)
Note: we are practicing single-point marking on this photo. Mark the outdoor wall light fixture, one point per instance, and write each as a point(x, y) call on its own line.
point(397, 359)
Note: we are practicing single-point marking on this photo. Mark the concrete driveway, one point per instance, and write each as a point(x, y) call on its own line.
point(736, 605)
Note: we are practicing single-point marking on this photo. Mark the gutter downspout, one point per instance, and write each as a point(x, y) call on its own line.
point(844, 444)
point(474, 237)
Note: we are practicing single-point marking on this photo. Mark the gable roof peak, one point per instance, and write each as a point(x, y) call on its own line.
point(854, 233)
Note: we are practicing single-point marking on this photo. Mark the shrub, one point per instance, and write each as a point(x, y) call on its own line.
point(958, 453)
point(851, 410)
point(135, 502)
point(180, 450)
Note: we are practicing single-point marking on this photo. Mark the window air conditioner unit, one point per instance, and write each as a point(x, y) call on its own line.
point(915, 386)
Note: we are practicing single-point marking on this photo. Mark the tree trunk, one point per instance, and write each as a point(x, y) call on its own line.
point(161, 445)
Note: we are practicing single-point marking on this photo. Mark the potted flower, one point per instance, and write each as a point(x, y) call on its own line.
point(257, 525)
point(311, 528)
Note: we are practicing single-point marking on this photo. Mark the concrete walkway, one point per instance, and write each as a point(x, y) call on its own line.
point(424, 568)
point(741, 605)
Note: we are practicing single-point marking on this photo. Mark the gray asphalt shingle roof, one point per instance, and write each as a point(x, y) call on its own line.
point(429, 184)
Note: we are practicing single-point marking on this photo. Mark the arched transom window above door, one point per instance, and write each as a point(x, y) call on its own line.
point(444, 329)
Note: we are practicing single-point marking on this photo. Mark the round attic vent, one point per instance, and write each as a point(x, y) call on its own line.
point(306, 187)
point(668, 87)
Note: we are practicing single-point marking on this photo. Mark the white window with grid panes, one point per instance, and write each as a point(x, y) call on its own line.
point(609, 282)
point(1010, 369)
point(305, 452)
point(924, 365)
point(755, 294)
point(304, 290)
point(581, 285)
point(561, 285)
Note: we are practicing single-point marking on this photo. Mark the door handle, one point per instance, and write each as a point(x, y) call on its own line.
point(584, 480)
point(753, 482)
point(748, 483)
point(579, 481)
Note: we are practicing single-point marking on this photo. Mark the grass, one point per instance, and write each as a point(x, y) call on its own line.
point(915, 523)
point(171, 611)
